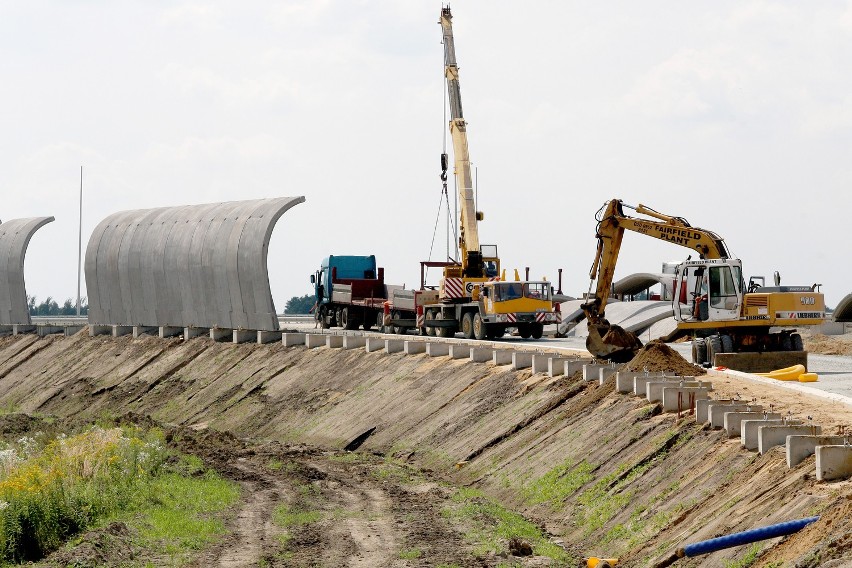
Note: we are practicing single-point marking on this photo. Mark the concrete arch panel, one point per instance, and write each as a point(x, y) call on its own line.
point(843, 311)
point(198, 265)
point(15, 236)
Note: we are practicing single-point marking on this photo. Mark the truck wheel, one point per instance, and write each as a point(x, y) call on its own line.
point(395, 328)
point(699, 351)
point(524, 331)
point(467, 325)
point(347, 321)
point(368, 324)
point(479, 328)
point(323, 317)
point(727, 344)
point(430, 331)
point(798, 344)
point(714, 345)
point(537, 330)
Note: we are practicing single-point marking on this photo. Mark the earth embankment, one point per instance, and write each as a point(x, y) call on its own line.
point(604, 472)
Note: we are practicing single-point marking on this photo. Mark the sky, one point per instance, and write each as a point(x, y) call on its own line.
point(736, 115)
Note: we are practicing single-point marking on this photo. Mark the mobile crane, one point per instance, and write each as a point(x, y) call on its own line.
point(722, 315)
point(471, 298)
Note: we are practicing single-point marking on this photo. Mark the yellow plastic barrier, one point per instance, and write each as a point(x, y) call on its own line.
point(787, 374)
point(808, 378)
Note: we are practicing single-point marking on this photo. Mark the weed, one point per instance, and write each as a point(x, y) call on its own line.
point(558, 483)
point(275, 465)
point(287, 517)
point(410, 553)
point(747, 560)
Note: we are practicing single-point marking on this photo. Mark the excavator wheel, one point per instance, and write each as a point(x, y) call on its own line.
point(797, 343)
point(699, 351)
point(714, 345)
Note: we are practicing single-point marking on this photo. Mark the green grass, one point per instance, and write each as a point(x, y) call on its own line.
point(287, 517)
point(491, 526)
point(749, 559)
point(559, 483)
point(410, 553)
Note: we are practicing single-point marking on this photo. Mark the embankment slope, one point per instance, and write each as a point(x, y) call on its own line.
point(601, 470)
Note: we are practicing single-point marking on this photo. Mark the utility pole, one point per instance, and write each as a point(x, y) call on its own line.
point(80, 241)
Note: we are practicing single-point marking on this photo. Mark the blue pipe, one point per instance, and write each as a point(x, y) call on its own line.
point(745, 537)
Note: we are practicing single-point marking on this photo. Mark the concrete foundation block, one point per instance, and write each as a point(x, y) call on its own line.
point(268, 337)
point(654, 389)
point(244, 336)
point(437, 349)
point(18, 329)
point(521, 360)
point(394, 345)
point(591, 371)
point(140, 330)
point(702, 409)
point(414, 347)
point(334, 341)
point(541, 363)
point(640, 382)
point(313, 340)
point(732, 421)
point(502, 357)
point(459, 351)
point(556, 366)
point(165, 332)
point(374, 344)
point(605, 373)
point(716, 412)
point(192, 332)
point(221, 334)
point(73, 329)
point(770, 436)
point(801, 446)
point(354, 341)
point(674, 403)
point(833, 462)
point(749, 430)
point(291, 339)
point(481, 354)
point(6, 329)
point(100, 330)
point(120, 330)
point(571, 366)
point(45, 330)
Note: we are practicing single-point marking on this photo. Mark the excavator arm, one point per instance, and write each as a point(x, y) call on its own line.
point(608, 341)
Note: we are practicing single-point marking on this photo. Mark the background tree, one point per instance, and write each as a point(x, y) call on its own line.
point(49, 307)
point(300, 304)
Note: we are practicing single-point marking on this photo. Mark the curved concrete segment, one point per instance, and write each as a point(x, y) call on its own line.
point(190, 266)
point(15, 236)
point(639, 282)
point(843, 312)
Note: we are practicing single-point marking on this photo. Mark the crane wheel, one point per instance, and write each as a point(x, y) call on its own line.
point(467, 325)
point(537, 330)
point(479, 327)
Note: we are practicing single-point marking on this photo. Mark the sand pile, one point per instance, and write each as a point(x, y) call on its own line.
point(657, 356)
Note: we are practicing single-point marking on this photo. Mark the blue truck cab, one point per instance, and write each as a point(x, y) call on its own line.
point(349, 291)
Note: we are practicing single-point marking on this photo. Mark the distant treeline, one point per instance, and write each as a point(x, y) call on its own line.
point(300, 305)
point(50, 307)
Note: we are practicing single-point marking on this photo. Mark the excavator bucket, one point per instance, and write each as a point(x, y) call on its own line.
point(612, 342)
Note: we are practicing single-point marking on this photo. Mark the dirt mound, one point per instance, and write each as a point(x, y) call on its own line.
point(110, 545)
point(657, 356)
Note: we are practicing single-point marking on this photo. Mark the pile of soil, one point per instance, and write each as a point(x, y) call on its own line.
point(828, 345)
point(657, 356)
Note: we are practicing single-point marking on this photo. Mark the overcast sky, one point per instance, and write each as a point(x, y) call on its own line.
point(735, 115)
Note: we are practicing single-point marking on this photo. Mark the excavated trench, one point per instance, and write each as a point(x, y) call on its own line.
point(608, 474)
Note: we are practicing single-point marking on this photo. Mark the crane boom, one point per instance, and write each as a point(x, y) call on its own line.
point(471, 259)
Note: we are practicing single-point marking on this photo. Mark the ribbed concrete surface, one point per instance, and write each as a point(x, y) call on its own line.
point(15, 236)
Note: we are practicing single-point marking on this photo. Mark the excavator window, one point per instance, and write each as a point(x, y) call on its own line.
point(723, 291)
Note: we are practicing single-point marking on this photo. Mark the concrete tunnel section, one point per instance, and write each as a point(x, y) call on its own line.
point(15, 236)
point(843, 311)
point(191, 266)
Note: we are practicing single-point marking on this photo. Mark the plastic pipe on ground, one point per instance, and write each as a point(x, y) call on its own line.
point(745, 537)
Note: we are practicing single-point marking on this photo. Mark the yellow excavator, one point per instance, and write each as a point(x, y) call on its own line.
point(710, 299)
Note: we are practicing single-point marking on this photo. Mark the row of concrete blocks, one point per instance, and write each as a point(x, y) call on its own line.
point(762, 431)
point(40, 330)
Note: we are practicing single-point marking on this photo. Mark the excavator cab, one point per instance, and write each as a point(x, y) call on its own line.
point(716, 290)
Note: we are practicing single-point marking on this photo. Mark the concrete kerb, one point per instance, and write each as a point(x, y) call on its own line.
point(606, 372)
point(556, 366)
point(100, 330)
point(334, 341)
point(434, 349)
point(502, 356)
point(192, 332)
point(221, 334)
point(268, 337)
point(624, 380)
point(654, 389)
point(290, 339)
point(244, 336)
point(733, 420)
point(394, 345)
point(459, 351)
point(73, 329)
point(374, 344)
point(571, 366)
point(414, 347)
point(833, 462)
point(702, 408)
point(140, 330)
point(681, 398)
point(716, 412)
point(591, 371)
point(640, 382)
point(19, 328)
point(541, 362)
point(121, 330)
point(771, 436)
point(314, 340)
point(354, 341)
point(790, 385)
point(521, 360)
point(751, 428)
point(481, 354)
point(45, 330)
point(801, 446)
